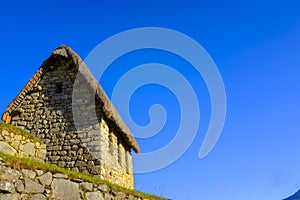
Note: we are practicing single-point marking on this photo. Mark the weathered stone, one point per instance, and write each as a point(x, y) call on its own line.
point(5, 132)
point(1, 137)
point(80, 164)
point(6, 148)
point(14, 196)
point(114, 192)
point(54, 158)
point(54, 148)
point(25, 196)
point(84, 171)
point(23, 154)
point(94, 196)
point(19, 186)
point(86, 186)
point(94, 143)
point(38, 197)
point(120, 196)
point(59, 175)
point(7, 139)
point(76, 180)
point(103, 187)
point(67, 148)
point(21, 123)
point(108, 196)
point(18, 138)
point(61, 164)
point(130, 197)
point(39, 172)
point(74, 141)
point(65, 189)
point(9, 174)
point(29, 173)
point(33, 187)
point(12, 134)
point(46, 178)
point(7, 186)
point(96, 170)
point(29, 148)
point(15, 144)
point(40, 153)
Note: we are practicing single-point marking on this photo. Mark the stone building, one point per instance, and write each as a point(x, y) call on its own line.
point(80, 127)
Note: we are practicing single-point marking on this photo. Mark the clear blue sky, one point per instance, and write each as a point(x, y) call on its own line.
point(256, 46)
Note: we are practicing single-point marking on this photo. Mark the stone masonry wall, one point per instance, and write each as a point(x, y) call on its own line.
point(96, 149)
point(16, 144)
point(28, 184)
point(36, 184)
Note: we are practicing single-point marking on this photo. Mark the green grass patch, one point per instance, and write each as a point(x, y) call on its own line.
point(20, 131)
point(21, 163)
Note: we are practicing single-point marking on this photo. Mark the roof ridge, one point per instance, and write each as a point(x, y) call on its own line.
point(108, 108)
point(27, 88)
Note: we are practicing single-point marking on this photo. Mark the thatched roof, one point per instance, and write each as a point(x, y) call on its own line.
point(108, 109)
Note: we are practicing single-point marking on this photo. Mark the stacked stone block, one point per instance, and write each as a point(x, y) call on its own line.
point(95, 148)
point(19, 145)
point(27, 184)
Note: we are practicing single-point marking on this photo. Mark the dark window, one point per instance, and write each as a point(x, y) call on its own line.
point(59, 88)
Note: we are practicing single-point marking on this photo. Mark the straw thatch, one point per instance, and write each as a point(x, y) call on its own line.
point(108, 109)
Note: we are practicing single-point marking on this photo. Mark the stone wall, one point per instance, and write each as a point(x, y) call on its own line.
point(17, 144)
point(46, 111)
point(23, 183)
point(28, 184)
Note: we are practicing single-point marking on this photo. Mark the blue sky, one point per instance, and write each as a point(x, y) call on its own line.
point(256, 46)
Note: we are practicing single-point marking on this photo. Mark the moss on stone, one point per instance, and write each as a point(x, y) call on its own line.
point(20, 131)
point(20, 163)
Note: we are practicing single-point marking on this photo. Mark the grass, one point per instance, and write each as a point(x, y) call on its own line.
point(20, 131)
point(20, 163)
